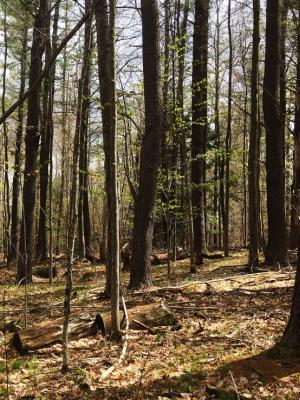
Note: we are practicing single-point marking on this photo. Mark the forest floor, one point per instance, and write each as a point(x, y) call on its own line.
point(215, 351)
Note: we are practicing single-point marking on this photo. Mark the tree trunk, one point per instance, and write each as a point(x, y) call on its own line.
point(16, 184)
point(73, 207)
point(107, 79)
point(84, 225)
point(63, 146)
point(46, 133)
point(290, 342)
point(217, 181)
point(228, 141)
point(187, 201)
point(7, 216)
point(199, 124)
point(150, 150)
point(32, 139)
point(275, 152)
point(51, 128)
point(72, 221)
point(253, 168)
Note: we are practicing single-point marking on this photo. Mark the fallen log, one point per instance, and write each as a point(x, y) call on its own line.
point(50, 332)
point(47, 333)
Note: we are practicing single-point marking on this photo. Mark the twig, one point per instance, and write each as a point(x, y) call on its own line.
point(150, 330)
point(235, 387)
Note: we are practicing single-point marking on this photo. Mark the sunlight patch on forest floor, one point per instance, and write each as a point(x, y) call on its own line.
point(220, 339)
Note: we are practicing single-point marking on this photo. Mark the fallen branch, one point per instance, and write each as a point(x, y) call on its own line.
point(144, 326)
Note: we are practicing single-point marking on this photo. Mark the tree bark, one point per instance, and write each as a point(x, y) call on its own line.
point(16, 184)
point(290, 342)
point(217, 234)
point(107, 79)
point(84, 225)
point(199, 125)
point(150, 150)
point(63, 146)
point(253, 168)
point(228, 140)
point(32, 138)
point(7, 216)
point(46, 133)
point(275, 152)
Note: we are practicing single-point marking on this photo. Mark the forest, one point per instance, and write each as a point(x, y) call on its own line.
point(150, 199)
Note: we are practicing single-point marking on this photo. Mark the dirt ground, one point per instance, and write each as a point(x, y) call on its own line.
point(226, 318)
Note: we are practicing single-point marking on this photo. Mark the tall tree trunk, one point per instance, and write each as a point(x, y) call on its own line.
point(73, 206)
point(16, 184)
point(275, 152)
point(107, 70)
point(63, 144)
point(245, 148)
point(7, 216)
point(51, 129)
point(165, 131)
point(32, 139)
point(46, 133)
point(199, 125)
point(295, 198)
point(150, 152)
point(72, 221)
point(253, 168)
point(290, 342)
point(217, 181)
point(228, 140)
point(84, 225)
point(187, 201)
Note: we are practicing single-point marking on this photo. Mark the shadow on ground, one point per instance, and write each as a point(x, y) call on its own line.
point(268, 368)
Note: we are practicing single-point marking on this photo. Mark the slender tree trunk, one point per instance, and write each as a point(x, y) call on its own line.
point(245, 148)
point(217, 181)
point(63, 145)
point(228, 141)
point(150, 151)
point(7, 216)
point(51, 134)
point(187, 201)
point(16, 184)
point(32, 139)
point(253, 168)
point(165, 132)
point(199, 125)
point(275, 151)
point(84, 226)
point(41, 246)
point(107, 70)
point(72, 221)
